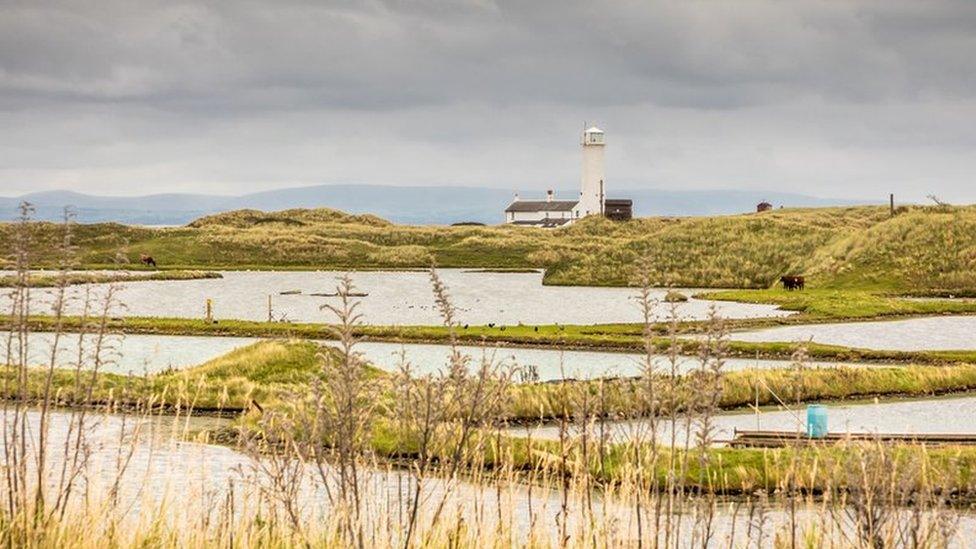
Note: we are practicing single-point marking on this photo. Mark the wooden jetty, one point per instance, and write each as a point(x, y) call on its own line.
point(780, 439)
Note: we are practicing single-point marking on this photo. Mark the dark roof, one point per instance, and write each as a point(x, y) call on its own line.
point(618, 202)
point(545, 223)
point(542, 206)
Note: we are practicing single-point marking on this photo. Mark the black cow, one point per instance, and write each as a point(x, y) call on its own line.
point(792, 282)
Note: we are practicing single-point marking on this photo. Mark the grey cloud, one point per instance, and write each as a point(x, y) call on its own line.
point(94, 93)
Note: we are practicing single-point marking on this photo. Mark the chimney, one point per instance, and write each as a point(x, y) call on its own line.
point(516, 197)
point(549, 195)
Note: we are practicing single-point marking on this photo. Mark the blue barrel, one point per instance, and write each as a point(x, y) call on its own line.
point(816, 421)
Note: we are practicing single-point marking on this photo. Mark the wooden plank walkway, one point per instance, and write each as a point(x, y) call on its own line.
point(779, 439)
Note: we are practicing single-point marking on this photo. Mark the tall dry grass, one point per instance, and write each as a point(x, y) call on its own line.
point(306, 474)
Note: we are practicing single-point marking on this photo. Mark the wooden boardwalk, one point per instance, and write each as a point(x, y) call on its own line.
point(779, 439)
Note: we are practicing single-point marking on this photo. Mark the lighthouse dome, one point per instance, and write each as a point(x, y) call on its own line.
point(593, 136)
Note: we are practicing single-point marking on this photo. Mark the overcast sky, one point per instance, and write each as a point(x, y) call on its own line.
point(839, 99)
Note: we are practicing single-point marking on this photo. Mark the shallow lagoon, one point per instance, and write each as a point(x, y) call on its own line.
point(400, 298)
point(939, 333)
point(146, 354)
point(191, 482)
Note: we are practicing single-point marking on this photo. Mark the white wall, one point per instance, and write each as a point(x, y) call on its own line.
point(511, 217)
point(592, 176)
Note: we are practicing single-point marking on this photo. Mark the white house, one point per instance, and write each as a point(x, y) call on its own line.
point(592, 198)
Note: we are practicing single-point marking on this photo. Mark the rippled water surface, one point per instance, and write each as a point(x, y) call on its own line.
point(914, 334)
point(129, 354)
point(195, 480)
point(548, 364)
point(403, 298)
point(146, 354)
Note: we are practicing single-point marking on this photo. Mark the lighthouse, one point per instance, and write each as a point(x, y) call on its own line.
point(551, 213)
point(592, 187)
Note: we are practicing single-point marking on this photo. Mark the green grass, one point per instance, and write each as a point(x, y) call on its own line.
point(70, 279)
point(745, 388)
point(264, 371)
point(269, 370)
point(600, 337)
point(843, 304)
point(921, 250)
point(275, 372)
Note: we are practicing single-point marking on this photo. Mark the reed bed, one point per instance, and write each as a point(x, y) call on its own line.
point(308, 472)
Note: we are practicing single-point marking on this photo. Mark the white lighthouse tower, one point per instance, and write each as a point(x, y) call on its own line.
point(551, 213)
point(592, 189)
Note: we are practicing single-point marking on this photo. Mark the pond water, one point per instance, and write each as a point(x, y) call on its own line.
point(147, 354)
point(940, 333)
point(548, 364)
point(130, 354)
point(157, 471)
point(951, 414)
point(399, 298)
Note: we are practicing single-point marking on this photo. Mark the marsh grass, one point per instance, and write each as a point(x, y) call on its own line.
point(41, 280)
point(312, 474)
point(926, 249)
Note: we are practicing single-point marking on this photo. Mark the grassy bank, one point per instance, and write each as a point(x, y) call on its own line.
point(623, 398)
point(272, 371)
point(48, 280)
point(601, 337)
point(922, 249)
point(822, 304)
point(272, 376)
point(743, 471)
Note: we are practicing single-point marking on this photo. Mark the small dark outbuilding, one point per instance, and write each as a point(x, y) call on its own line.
point(763, 207)
point(618, 209)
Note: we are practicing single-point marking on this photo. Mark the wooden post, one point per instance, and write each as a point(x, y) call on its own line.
point(270, 317)
point(209, 311)
point(891, 201)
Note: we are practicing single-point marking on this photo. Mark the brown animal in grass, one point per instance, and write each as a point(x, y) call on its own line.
point(792, 282)
point(147, 260)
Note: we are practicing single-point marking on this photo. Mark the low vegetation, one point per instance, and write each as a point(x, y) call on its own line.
point(601, 337)
point(40, 280)
point(823, 304)
point(921, 250)
point(332, 452)
point(275, 381)
point(271, 372)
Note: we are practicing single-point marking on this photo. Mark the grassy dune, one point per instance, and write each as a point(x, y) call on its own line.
point(921, 249)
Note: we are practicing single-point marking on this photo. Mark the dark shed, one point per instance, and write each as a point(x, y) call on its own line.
point(618, 209)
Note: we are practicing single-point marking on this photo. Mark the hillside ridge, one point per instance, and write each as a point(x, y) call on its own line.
point(922, 249)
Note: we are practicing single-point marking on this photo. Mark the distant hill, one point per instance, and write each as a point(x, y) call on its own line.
point(410, 205)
